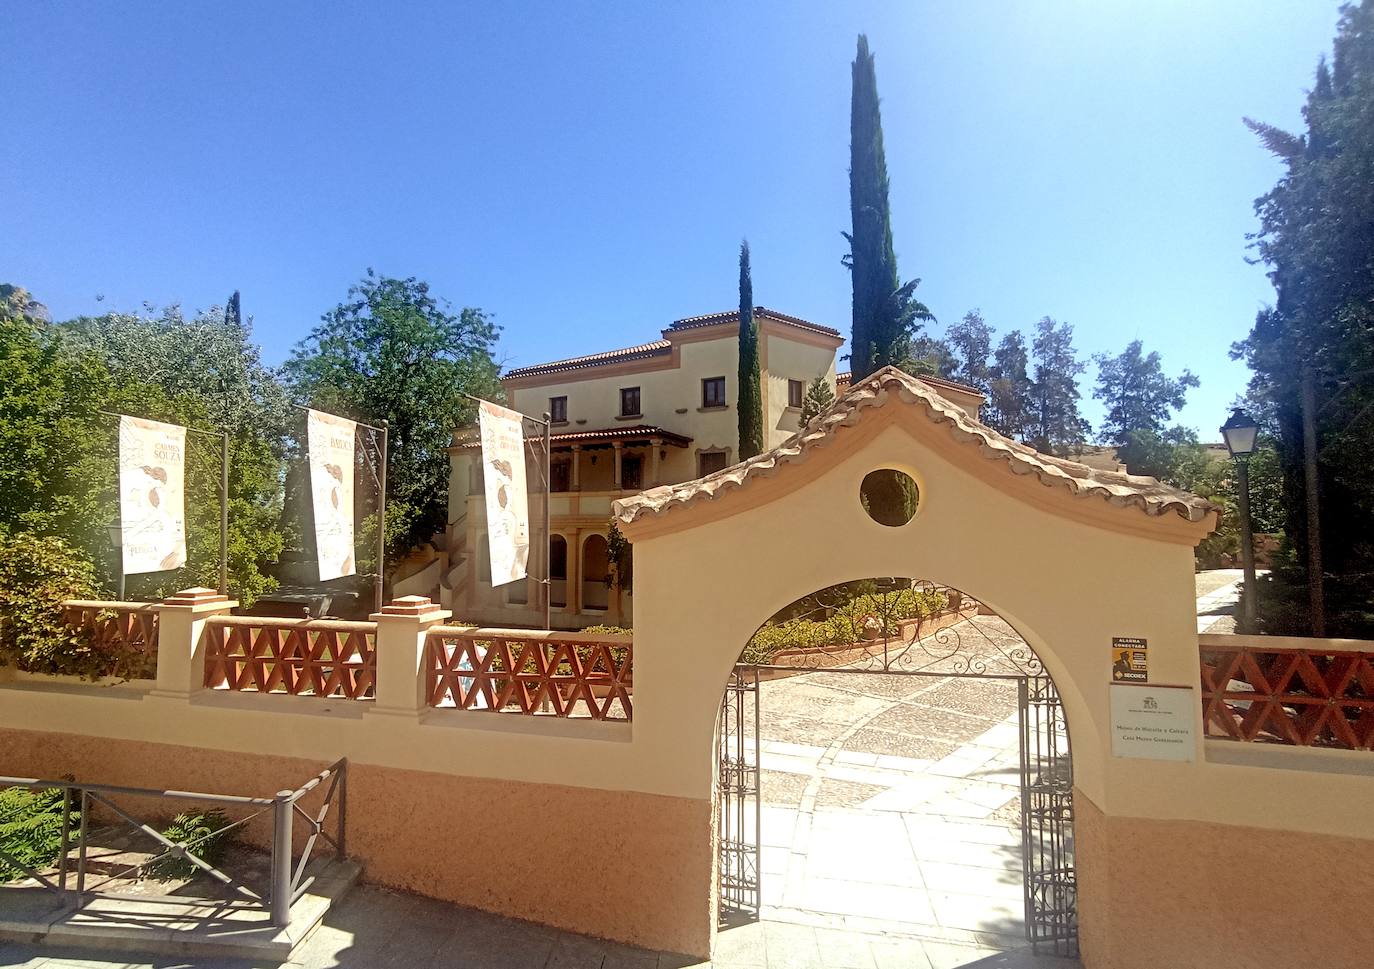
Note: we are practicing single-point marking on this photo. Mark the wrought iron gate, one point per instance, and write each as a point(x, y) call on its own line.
point(1051, 888)
point(738, 799)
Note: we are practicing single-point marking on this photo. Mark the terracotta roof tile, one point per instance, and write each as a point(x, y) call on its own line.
point(732, 316)
point(891, 386)
point(640, 352)
point(631, 431)
point(843, 380)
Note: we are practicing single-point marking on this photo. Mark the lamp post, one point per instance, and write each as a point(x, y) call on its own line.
point(1239, 433)
point(116, 532)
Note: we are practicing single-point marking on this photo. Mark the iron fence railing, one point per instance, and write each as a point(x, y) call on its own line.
point(285, 883)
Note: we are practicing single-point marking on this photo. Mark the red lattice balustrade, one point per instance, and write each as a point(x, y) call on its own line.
point(532, 673)
point(1282, 690)
point(125, 633)
point(302, 657)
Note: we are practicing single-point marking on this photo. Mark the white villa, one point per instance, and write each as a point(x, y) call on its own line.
point(624, 421)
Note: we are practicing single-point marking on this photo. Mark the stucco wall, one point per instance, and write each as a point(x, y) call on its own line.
point(605, 863)
point(789, 360)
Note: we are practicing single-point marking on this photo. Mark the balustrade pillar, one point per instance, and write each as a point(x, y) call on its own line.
point(402, 626)
point(181, 640)
point(619, 451)
point(655, 445)
point(576, 483)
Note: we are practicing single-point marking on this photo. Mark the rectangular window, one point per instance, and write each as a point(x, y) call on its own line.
point(631, 472)
point(629, 402)
point(709, 462)
point(560, 477)
point(558, 410)
point(794, 393)
point(713, 392)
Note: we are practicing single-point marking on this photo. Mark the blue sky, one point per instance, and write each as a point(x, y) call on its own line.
point(585, 171)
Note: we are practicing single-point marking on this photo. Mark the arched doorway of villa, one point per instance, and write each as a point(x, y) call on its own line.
point(893, 758)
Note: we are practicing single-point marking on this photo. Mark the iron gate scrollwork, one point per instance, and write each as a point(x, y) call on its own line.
point(738, 796)
point(1051, 887)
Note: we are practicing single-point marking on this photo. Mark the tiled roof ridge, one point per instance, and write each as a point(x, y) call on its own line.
point(1150, 495)
point(591, 359)
point(726, 316)
point(925, 378)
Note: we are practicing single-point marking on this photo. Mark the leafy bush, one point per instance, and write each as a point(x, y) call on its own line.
point(205, 837)
point(846, 624)
point(30, 829)
point(36, 574)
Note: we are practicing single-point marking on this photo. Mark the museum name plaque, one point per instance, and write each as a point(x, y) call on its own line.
point(1153, 722)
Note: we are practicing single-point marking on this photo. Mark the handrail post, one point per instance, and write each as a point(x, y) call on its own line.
point(402, 627)
point(342, 807)
point(281, 858)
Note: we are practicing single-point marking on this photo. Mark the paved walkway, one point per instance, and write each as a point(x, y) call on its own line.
point(1218, 598)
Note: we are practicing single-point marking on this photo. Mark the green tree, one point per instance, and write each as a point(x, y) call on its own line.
point(970, 341)
point(1316, 236)
point(212, 377)
point(929, 356)
point(886, 313)
point(750, 403)
point(818, 399)
point(1139, 398)
point(1010, 388)
point(392, 351)
point(1056, 427)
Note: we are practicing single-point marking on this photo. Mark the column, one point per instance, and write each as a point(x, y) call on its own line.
point(575, 571)
point(576, 483)
point(655, 444)
point(181, 640)
point(402, 626)
point(615, 482)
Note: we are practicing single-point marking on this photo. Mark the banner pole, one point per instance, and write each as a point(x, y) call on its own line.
point(224, 515)
point(381, 515)
point(548, 534)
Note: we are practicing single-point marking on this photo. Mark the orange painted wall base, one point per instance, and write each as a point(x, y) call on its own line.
point(635, 868)
point(1200, 895)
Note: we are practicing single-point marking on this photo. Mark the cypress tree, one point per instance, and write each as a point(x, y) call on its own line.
point(233, 315)
point(872, 259)
point(750, 403)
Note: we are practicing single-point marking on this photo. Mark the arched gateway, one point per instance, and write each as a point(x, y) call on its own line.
point(1069, 557)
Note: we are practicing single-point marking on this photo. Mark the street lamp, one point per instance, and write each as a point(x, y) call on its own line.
point(1239, 433)
point(116, 532)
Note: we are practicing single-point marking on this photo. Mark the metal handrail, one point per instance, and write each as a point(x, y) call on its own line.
point(286, 884)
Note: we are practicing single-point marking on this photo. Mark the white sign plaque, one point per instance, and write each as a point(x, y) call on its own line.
point(1153, 722)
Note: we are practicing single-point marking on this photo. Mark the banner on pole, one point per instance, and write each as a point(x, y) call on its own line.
point(152, 495)
point(508, 512)
point(331, 441)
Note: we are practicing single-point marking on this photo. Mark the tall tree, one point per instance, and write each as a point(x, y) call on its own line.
point(818, 398)
point(886, 313)
point(1010, 388)
point(749, 406)
point(392, 351)
point(1056, 427)
point(971, 342)
point(1139, 397)
point(1316, 236)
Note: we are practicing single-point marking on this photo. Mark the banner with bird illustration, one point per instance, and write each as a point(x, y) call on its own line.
point(152, 496)
point(331, 441)
point(503, 474)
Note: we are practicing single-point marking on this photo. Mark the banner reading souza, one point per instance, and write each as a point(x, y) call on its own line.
point(152, 496)
point(330, 441)
point(503, 471)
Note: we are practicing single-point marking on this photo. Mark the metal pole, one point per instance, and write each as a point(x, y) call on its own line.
point(224, 515)
point(381, 515)
point(1316, 594)
point(1247, 546)
point(281, 859)
point(548, 534)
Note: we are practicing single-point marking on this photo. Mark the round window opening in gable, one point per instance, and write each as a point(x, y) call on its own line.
point(890, 497)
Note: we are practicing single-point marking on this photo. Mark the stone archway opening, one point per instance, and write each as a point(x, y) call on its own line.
point(894, 758)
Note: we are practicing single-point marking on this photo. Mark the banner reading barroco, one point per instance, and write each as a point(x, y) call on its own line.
point(152, 504)
point(330, 441)
point(508, 514)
